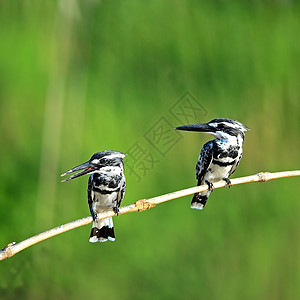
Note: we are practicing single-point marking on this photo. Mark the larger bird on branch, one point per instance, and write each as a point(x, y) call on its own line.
point(218, 158)
point(106, 188)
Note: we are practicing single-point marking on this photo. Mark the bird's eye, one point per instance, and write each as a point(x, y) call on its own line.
point(103, 160)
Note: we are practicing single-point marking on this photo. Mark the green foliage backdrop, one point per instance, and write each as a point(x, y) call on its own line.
point(77, 77)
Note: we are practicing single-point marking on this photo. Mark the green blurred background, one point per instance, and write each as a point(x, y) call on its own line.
point(77, 77)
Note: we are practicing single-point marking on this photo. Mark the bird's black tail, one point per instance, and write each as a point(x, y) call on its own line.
point(199, 200)
point(102, 231)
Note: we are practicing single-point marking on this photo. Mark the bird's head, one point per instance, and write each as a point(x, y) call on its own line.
point(99, 160)
point(219, 128)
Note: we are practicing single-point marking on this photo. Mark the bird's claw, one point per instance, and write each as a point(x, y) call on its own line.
point(210, 185)
point(228, 181)
point(116, 210)
point(94, 216)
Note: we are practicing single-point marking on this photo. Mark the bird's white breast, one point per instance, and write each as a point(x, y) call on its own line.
point(216, 172)
point(104, 201)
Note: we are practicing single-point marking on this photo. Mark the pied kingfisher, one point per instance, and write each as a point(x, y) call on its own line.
point(218, 158)
point(106, 188)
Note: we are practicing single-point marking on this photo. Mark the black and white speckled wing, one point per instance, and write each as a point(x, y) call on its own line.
point(204, 161)
point(121, 192)
point(235, 165)
point(90, 199)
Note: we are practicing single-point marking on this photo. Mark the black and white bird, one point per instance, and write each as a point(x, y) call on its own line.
point(218, 158)
point(106, 188)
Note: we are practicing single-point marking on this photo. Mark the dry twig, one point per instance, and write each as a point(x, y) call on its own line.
point(13, 248)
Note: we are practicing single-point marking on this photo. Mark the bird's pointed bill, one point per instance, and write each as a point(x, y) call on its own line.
point(203, 127)
point(87, 168)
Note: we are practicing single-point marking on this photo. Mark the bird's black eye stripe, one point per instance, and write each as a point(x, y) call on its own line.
point(221, 126)
point(103, 160)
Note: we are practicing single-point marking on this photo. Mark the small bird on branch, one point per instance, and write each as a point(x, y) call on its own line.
point(106, 188)
point(218, 158)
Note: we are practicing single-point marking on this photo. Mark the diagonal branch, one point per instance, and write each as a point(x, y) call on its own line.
point(13, 248)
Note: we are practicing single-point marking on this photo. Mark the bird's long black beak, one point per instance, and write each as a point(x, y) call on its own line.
point(87, 168)
point(203, 127)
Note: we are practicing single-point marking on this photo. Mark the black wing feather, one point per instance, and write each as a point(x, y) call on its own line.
point(204, 161)
point(121, 194)
point(235, 165)
point(89, 195)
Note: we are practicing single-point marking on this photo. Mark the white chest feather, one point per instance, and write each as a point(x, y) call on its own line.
point(103, 202)
point(216, 173)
